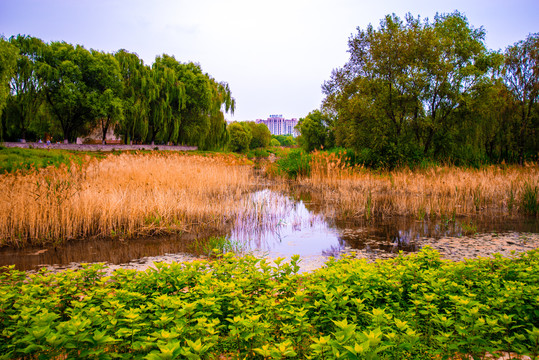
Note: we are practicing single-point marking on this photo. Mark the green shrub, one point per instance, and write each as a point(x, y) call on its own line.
point(411, 307)
point(240, 137)
point(257, 153)
point(275, 143)
point(295, 163)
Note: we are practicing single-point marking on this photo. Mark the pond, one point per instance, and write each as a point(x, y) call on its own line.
point(277, 224)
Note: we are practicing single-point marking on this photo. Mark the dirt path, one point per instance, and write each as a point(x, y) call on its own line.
point(85, 147)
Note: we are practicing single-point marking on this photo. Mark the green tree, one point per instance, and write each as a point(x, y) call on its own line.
point(106, 87)
point(457, 62)
point(521, 74)
point(217, 136)
point(315, 131)
point(25, 87)
point(198, 104)
point(488, 126)
point(166, 100)
point(8, 63)
point(399, 93)
point(64, 75)
point(285, 140)
point(240, 137)
point(260, 133)
point(135, 96)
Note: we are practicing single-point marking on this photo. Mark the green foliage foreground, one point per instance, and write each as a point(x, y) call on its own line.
point(410, 307)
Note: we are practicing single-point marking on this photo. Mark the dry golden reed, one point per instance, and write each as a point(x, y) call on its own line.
point(127, 194)
point(434, 192)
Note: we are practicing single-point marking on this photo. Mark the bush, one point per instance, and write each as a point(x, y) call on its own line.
point(296, 163)
point(411, 307)
point(240, 137)
point(258, 154)
point(261, 135)
point(285, 140)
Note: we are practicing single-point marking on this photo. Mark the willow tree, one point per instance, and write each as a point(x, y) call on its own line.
point(222, 101)
point(202, 123)
point(8, 63)
point(167, 98)
point(198, 104)
point(521, 74)
point(25, 86)
point(456, 62)
point(135, 96)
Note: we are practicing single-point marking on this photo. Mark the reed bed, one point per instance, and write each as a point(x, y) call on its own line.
point(435, 192)
point(125, 195)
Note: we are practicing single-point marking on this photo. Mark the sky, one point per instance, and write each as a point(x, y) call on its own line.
point(274, 54)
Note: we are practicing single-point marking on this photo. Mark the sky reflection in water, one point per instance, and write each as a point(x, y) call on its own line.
point(275, 225)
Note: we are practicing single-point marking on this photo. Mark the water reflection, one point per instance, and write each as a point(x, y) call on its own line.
point(281, 226)
point(277, 225)
point(89, 251)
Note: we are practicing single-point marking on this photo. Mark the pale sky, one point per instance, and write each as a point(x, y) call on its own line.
point(275, 54)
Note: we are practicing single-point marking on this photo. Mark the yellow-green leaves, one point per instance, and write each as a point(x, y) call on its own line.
point(411, 307)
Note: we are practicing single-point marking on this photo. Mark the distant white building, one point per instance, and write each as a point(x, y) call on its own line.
point(278, 125)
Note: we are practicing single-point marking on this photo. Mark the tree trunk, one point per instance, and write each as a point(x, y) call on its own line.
point(104, 129)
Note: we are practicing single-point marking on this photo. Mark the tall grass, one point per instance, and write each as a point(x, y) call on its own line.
point(432, 192)
point(127, 194)
point(530, 200)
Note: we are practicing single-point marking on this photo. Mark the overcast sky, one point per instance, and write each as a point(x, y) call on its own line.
point(275, 54)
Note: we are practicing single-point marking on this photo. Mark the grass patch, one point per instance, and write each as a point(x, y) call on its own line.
point(14, 159)
point(413, 307)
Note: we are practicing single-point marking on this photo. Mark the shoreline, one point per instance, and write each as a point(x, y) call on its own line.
point(450, 248)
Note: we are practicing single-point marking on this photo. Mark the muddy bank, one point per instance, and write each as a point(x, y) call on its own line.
point(465, 247)
point(450, 248)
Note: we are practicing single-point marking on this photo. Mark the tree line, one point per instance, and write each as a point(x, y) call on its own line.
point(66, 91)
point(417, 90)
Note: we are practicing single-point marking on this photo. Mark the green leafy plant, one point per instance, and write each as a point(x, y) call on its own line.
point(410, 307)
point(529, 201)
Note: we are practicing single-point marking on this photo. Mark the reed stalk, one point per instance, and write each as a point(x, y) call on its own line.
point(129, 194)
point(433, 192)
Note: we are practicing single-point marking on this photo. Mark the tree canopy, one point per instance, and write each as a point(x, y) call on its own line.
point(8, 63)
point(415, 89)
point(79, 90)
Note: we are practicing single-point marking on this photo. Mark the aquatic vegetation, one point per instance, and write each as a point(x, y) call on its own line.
point(431, 192)
point(216, 245)
point(130, 193)
point(530, 199)
point(411, 307)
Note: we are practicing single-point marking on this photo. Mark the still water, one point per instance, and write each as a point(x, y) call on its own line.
point(276, 225)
